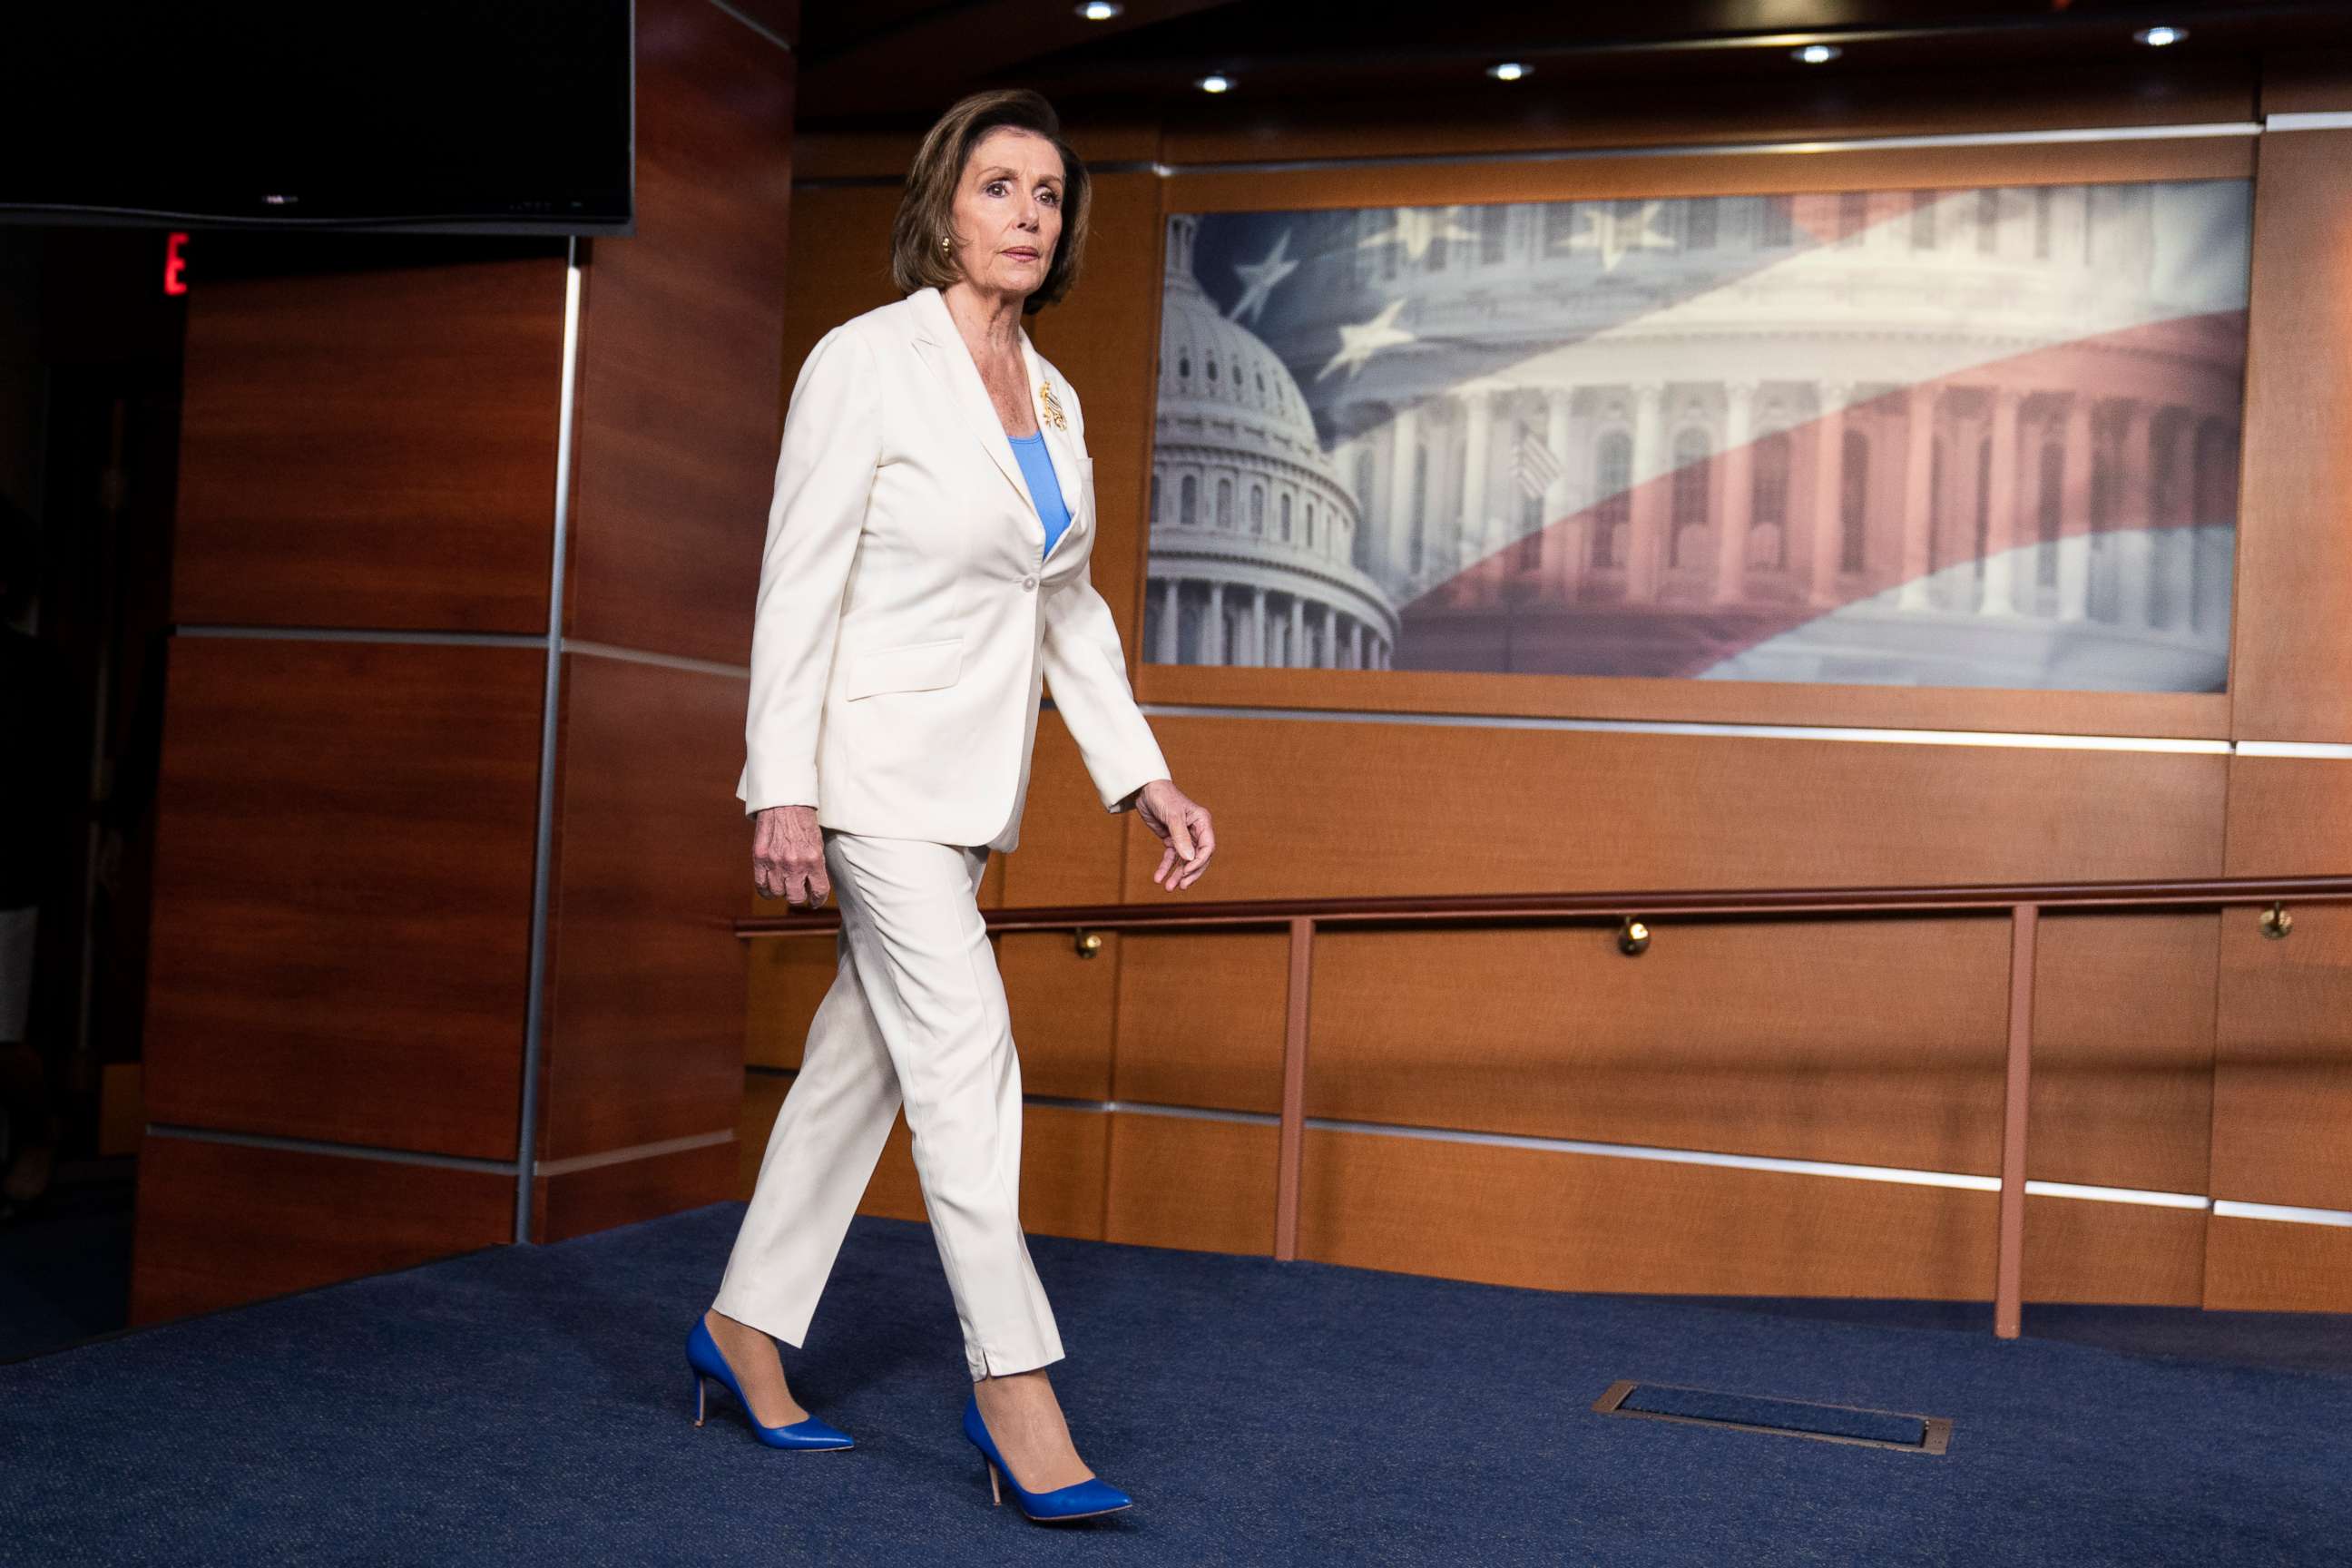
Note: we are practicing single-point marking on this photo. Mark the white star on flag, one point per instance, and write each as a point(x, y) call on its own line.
point(1415, 229)
point(1358, 343)
point(1532, 464)
point(1616, 237)
point(1261, 277)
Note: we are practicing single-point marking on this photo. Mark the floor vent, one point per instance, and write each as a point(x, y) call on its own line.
point(1790, 1418)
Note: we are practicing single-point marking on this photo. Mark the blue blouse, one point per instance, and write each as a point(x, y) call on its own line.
point(1038, 468)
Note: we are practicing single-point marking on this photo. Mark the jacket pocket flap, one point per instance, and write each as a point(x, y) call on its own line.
point(911, 667)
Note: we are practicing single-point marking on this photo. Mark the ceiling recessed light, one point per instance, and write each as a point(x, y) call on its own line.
point(1818, 54)
point(1215, 83)
point(1100, 10)
point(1509, 70)
point(2156, 38)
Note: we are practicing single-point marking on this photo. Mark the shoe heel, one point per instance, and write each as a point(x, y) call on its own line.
point(996, 1494)
point(701, 1397)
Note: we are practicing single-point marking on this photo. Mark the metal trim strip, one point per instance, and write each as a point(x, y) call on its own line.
point(1999, 738)
point(566, 1166)
point(543, 847)
point(321, 1146)
point(665, 660)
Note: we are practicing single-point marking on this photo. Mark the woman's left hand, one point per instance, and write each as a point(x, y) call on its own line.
point(1183, 825)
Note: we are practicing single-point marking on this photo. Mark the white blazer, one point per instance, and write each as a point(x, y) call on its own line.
point(908, 611)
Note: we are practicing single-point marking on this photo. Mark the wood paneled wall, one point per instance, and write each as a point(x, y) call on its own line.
point(342, 891)
point(681, 340)
point(349, 826)
point(2176, 1054)
point(2282, 1071)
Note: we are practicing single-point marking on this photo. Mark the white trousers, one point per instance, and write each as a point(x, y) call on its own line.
point(916, 1014)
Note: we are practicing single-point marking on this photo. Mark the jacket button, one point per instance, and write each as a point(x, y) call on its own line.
point(1029, 582)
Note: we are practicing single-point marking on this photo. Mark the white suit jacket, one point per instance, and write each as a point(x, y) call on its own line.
point(908, 612)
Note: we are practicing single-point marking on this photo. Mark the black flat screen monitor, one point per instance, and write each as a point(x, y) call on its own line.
point(432, 116)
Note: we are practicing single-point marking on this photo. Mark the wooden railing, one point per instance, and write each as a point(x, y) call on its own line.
point(1634, 913)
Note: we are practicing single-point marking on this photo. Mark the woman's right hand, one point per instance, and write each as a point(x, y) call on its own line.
point(788, 855)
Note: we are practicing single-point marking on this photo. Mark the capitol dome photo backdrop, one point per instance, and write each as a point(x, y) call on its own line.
point(1979, 438)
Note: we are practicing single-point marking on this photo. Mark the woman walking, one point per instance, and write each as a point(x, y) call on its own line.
point(925, 574)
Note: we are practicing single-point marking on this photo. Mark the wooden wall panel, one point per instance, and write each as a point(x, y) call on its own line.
point(2113, 1254)
point(2283, 1078)
point(681, 332)
point(219, 1225)
point(644, 1022)
point(1875, 1043)
point(1062, 1011)
point(1191, 1182)
point(680, 347)
point(1063, 1155)
point(597, 1197)
point(1065, 1170)
point(1200, 1018)
point(342, 891)
point(1071, 847)
point(763, 1097)
point(1461, 809)
point(788, 977)
point(2291, 665)
point(2283, 1073)
point(372, 448)
point(839, 267)
point(2274, 1266)
point(2290, 817)
point(1784, 1038)
point(896, 1191)
point(1574, 1222)
point(2123, 1050)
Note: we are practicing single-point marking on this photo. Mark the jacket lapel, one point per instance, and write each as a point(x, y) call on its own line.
point(942, 348)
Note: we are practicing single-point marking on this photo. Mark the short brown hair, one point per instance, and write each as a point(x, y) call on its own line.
point(927, 206)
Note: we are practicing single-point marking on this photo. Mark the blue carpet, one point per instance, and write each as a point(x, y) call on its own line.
point(1703, 1404)
point(532, 1406)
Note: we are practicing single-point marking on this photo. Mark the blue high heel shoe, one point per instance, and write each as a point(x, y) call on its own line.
point(1078, 1500)
point(702, 1354)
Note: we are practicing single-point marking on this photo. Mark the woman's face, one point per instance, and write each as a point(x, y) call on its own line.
point(1008, 212)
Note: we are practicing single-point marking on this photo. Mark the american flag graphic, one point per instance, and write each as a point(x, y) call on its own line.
point(1977, 436)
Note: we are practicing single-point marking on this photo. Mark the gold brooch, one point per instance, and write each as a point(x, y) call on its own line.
point(1053, 410)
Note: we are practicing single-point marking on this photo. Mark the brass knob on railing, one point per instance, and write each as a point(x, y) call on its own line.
point(2276, 922)
point(1089, 943)
point(1632, 938)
